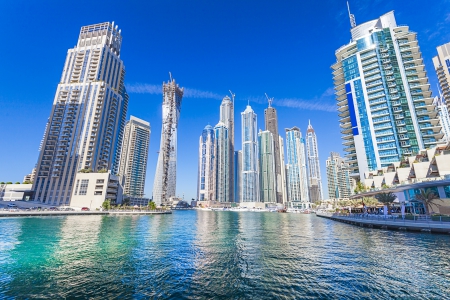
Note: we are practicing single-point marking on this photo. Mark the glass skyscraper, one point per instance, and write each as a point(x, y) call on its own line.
point(297, 178)
point(267, 173)
point(206, 159)
point(227, 117)
point(312, 154)
point(85, 127)
point(338, 177)
point(250, 178)
point(222, 163)
point(383, 96)
point(133, 159)
point(164, 186)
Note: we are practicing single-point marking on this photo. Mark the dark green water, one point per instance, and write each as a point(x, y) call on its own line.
point(221, 255)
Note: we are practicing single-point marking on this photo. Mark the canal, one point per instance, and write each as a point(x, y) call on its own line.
point(217, 255)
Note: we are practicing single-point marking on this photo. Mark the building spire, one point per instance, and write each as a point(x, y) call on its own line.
point(351, 16)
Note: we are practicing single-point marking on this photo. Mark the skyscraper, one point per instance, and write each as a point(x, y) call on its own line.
point(312, 153)
point(165, 181)
point(133, 160)
point(206, 160)
point(237, 176)
point(267, 173)
point(85, 127)
point(383, 96)
point(250, 178)
point(227, 117)
point(222, 163)
point(444, 117)
point(271, 123)
point(441, 64)
point(297, 174)
point(338, 177)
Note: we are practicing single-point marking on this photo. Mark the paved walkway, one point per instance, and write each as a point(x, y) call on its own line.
point(391, 223)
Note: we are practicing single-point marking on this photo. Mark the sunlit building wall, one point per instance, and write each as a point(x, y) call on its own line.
point(86, 123)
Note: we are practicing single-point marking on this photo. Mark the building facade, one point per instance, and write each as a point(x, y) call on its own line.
point(227, 117)
point(30, 177)
point(441, 64)
point(271, 125)
point(444, 116)
point(92, 189)
point(338, 177)
point(314, 177)
point(298, 188)
point(383, 96)
point(238, 176)
point(165, 182)
point(133, 159)
point(222, 162)
point(85, 127)
point(206, 160)
point(250, 177)
point(267, 174)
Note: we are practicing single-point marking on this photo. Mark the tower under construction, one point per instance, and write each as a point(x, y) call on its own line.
point(164, 186)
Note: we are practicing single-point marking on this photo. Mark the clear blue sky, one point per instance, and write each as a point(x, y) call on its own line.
point(282, 48)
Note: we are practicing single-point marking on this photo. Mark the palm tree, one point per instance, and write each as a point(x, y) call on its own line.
point(386, 198)
point(428, 197)
point(151, 205)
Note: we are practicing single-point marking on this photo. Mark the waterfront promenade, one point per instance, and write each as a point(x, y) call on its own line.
point(421, 224)
point(46, 213)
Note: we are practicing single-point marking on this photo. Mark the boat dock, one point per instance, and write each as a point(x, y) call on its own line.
point(380, 222)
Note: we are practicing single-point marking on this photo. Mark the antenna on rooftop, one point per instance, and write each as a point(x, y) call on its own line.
point(232, 95)
point(351, 16)
point(170, 75)
point(269, 99)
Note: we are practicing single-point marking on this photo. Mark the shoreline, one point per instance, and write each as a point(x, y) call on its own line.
point(9, 214)
point(392, 224)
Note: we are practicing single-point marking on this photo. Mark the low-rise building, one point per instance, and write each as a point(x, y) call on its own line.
point(15, 192)
point(92, 189)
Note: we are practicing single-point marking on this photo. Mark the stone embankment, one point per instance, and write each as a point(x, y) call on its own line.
point(46, 213)
point(392, 223)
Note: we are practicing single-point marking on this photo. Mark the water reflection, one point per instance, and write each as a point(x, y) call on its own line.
point(201, 254)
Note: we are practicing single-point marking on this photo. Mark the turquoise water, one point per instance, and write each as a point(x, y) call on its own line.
point(217, 255)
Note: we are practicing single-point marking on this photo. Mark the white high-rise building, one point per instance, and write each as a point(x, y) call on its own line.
point(444, 116)
point(222, 162)
point(314, 177)
point(238, 176)
point(164, 186)
point(133, 160)
point(267, 175)
point(250, 177)
point(383, 95)
point(206, 163)
point(338, 177)
point(441, 64)
point(85, 127)
point(227, 117)
point(297, 174)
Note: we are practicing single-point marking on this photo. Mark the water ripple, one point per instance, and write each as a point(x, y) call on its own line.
point(217, 255)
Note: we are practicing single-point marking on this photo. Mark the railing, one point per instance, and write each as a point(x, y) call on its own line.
point(393, 217)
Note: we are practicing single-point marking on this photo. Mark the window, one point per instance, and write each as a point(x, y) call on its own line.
point(96, 193)
point(76, 188)
point(100, 180)
point(84, 186)
point(99, 187)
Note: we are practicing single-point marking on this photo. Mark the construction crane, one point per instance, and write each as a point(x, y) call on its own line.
point(269, 99)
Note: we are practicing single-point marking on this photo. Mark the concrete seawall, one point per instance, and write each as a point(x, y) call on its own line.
point(5, 214)
point(392, 224)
